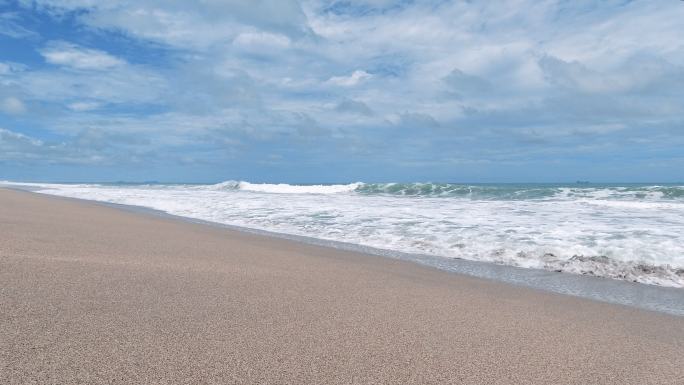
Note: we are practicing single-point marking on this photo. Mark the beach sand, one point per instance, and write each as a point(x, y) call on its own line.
point(93, 294)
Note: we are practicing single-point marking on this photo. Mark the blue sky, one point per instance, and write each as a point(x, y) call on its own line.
point(337, 91)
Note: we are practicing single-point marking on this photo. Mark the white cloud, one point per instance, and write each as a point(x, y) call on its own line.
point(413, 120)
point(17, 146)
point(8, 138)
point(638, 74)
point(263, 39)
point(9, 68)
point(191, 25)
point(118, 85)
point(74, 56)
point(354, 107)
point(355, 78)
point(12, 106)
point(240, 71)
point(466, 84)
point(83, 106)
point(5, 69)
point(10, 26)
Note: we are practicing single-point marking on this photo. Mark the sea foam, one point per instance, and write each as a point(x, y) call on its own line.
point(283, 188)
point(628, 232)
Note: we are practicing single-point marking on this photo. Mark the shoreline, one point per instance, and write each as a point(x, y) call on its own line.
point(642, 296)
point(94, 294)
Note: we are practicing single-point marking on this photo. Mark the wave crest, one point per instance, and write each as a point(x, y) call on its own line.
point(283, 188)
point(465, 191)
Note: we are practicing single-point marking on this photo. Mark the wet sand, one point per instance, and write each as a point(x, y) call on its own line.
point(94, 294)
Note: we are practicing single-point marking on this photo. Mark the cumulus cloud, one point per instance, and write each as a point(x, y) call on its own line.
point(5, 69)
point(219, 77)
point(637, 74)
point(355, 78)
point(70, 55)
point(414, 120)
point(261, 39)
point(9, 68)
point(354, 107)
point(191, 25)
point(97, 80)
point(465, 84)
point(12, 106)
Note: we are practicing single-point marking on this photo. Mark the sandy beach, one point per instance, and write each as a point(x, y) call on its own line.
point(93, 294)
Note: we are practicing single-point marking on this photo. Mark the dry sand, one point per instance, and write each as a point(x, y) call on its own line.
point(93, 294)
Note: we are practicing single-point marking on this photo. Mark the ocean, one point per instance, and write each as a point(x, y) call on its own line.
point(632, 232)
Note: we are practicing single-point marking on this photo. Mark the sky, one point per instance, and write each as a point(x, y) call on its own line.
point(342, 90)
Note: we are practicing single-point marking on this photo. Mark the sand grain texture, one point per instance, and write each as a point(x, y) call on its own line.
point(91, 294)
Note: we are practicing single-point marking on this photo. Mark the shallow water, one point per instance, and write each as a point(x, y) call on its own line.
point(627, 232)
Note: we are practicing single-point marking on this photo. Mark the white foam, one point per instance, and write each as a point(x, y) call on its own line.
point(283, 188)
point(584, 231)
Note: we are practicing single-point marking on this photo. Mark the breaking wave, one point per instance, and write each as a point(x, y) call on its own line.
point(468, 191)
point(627, 232)
point(283, 188)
